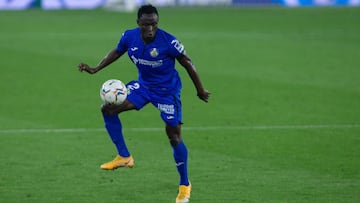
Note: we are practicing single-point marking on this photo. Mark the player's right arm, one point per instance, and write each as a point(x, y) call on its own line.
point(112, 56)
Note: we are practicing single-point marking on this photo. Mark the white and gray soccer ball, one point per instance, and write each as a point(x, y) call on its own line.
point(113, 92)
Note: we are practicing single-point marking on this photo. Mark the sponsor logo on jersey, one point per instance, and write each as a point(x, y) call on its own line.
point(144, 62)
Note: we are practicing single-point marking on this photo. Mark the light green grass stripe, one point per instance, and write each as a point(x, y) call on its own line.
point(205, 128)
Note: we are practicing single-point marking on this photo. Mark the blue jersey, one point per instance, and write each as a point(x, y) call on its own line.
point(155, 61)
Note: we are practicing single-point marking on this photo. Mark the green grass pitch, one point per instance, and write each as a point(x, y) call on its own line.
point(282, 125)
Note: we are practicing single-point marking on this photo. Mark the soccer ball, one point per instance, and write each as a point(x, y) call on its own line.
point(113, 92)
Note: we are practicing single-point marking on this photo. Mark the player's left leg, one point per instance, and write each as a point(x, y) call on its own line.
point(180, 154)
point(171, 114)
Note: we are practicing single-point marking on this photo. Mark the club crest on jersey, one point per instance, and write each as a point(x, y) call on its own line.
point(154, 52)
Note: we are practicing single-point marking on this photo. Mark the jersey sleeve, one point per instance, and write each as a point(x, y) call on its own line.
point(122, 44)
point(176, 47)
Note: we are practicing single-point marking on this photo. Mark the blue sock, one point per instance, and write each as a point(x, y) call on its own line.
point(180, 156)
point(114, 129)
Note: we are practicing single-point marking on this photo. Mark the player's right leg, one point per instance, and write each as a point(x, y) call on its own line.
point(114, 128)
point(135, 100)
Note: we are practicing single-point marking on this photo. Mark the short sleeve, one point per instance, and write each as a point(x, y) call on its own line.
point(176, 48)
point(122, 44)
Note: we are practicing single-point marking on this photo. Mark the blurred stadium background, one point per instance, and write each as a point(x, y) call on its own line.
point(132, 4)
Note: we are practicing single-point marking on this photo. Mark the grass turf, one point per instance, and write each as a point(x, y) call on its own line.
point(282, 124)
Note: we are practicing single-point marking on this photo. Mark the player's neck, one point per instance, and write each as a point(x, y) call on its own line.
point(147, 41)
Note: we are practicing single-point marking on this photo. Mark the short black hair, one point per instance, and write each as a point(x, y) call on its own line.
point(147, 9)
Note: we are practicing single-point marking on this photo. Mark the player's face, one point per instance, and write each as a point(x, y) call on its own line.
point(148, 24)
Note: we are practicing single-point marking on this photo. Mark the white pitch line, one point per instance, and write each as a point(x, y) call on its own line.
point(205, 128)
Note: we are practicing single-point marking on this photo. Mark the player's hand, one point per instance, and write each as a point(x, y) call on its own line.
point(85, 67)
point(204, 95)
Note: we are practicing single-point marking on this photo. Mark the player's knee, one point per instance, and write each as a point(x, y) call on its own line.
point(174, 140)
point(108, 109)
point(104, 109)
point(173, 134)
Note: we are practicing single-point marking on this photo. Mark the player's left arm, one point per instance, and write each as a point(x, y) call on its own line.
point(186, 62)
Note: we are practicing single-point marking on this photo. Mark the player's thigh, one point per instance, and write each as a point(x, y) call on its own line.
point(170, 108)
point(137, 95)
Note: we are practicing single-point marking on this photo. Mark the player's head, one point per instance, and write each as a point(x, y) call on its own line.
point(147, 9)
point(147, 20)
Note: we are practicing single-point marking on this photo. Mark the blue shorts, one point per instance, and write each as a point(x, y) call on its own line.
point(169, 105)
